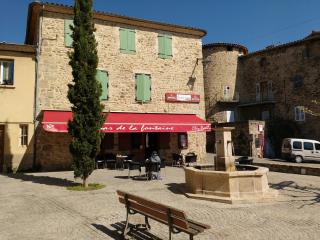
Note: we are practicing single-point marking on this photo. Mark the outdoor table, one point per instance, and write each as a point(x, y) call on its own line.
point(120, 160)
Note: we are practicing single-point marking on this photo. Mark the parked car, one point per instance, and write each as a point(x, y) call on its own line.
point(300, 150)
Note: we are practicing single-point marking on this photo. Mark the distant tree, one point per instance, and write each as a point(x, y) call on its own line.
point(84, 93)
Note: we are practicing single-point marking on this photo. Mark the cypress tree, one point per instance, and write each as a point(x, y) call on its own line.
point(84, 93)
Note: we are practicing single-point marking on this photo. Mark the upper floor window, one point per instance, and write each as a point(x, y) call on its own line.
point(165, 46)
point(68, 40)
point(127, 40)
point(103, 78)
point(143, 88)
point(299, 113)
point(264, 91)
point(6, 72)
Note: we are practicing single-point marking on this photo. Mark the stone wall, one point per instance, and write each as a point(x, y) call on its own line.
point(220, 70)
point(167, 75)
point(295, 75)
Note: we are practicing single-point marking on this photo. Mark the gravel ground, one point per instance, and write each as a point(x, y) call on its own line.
point(38, 206)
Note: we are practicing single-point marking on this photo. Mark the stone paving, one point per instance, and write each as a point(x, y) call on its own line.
point(38, 206)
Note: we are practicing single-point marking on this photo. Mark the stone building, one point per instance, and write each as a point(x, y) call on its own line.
point(277, 83)
point(17, 82)
point(151, 78)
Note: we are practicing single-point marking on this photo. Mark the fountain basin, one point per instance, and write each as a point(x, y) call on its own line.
point(246, 185)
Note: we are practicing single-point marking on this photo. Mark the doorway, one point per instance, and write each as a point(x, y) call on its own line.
point(152, 143)
point(2, 129)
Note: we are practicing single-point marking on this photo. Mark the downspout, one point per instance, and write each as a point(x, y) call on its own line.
point(37, 73)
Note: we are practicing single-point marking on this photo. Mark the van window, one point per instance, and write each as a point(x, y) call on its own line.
point(308, 146)
point(297, 145)
point(317, 145)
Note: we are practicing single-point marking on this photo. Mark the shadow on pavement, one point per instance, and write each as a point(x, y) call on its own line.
point(116, 233)
point(177, 188)
point(295, 191)
point(51, 181)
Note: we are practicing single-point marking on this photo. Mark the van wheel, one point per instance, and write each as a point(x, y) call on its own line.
point(298, 159)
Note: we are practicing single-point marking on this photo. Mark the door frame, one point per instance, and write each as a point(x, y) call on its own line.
point(2, 129)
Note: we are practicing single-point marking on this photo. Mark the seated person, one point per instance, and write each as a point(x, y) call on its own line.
point(153, 164)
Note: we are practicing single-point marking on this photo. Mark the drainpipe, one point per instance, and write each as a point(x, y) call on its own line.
point(36, 107)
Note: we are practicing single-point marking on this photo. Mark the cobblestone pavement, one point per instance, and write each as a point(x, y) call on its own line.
point(38, 206)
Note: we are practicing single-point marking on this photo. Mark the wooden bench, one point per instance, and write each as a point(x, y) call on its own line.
point(175, 219)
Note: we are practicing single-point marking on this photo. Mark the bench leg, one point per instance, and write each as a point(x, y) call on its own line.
point(146, 220)
point(126, 228)
point(191, 237)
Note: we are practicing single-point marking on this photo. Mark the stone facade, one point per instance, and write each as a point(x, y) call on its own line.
point(167, 75)
point(270, 84)
point(293, 74)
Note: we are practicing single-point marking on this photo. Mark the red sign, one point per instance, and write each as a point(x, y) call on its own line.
point(178, 97)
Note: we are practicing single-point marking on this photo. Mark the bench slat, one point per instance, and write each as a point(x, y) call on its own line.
point(153, 213)
point(152, 204)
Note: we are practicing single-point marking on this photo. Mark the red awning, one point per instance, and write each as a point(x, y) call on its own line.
point(56, 121)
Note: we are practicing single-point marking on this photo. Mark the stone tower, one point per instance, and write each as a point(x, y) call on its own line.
point(220, 75)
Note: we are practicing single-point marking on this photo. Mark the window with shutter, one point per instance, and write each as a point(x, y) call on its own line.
point(68, 40)
point(270, 91)
point(102, 77)
point(127, 40)
point(165, 46)
point(143, 88)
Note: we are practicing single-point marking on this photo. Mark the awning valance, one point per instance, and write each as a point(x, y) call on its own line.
point(56, 121)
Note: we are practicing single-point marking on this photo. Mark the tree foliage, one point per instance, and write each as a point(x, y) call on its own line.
point(84, 93)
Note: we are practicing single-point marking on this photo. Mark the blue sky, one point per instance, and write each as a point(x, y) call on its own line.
point(253, 23)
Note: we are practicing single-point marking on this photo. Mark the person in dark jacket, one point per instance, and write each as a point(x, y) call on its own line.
point(153, 164)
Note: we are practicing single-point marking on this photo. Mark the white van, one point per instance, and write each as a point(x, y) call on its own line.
point(300, 149)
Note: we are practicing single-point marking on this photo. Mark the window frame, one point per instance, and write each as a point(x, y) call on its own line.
point(299, 114)
point(10, 72)
point(24, 135)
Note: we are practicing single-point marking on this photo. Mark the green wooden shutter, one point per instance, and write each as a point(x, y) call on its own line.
point(68, 33)
point(123, 40)
point(143, 88)
point(168, 46)
point(161, 45)
point(147, 87)
point(131, 41)
point(102, 77)
point(139, 88)
point(165, 46)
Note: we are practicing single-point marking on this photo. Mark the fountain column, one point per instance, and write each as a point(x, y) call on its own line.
point(224, 160)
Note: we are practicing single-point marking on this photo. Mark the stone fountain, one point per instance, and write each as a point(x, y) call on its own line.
point(226, 182)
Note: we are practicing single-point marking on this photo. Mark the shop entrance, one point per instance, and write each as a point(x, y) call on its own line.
point(143, 144)
point(1, 147)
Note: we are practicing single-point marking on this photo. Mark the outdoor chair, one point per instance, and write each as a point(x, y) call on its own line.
point(127, 160)
point(100, 161)
point(110, 158)
point(177, 159)
point(134, 166)
point(190, 157)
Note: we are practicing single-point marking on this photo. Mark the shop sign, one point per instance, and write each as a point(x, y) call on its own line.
point(178, 97)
